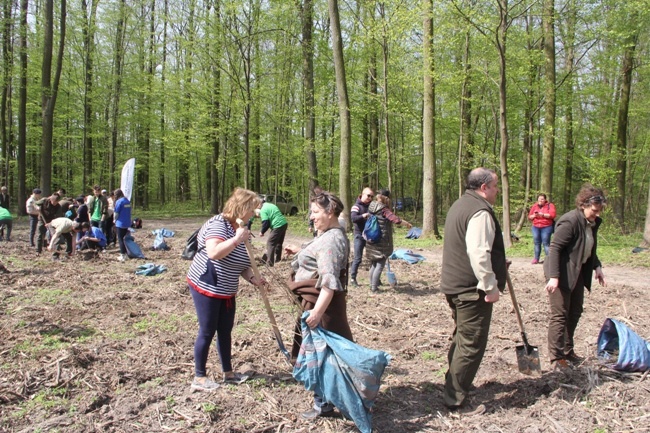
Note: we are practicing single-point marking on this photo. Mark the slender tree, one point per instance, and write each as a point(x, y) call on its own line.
point(344, 108)
point(548, 23)
point(22, 110)
point(429, 178)
point(49, 89)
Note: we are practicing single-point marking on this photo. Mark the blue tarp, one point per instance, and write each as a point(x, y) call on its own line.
point(414, 233)
point(343, 373)
point(408, 255)
point(150, 269)
point(621, 348)
point(159, 243)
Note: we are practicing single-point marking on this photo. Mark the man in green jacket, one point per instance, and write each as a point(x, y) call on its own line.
point(5, 222)
point(273, 219)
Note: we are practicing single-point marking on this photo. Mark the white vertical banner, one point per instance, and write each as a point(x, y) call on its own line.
point(126, 184)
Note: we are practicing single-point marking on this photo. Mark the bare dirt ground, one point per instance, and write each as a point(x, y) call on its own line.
point(88, 346)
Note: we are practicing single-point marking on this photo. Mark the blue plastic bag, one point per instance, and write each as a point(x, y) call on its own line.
point(133, 250)
point(621, 348)
point(408, 255)
point(343, 373)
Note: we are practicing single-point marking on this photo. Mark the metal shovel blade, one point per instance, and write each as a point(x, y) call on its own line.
point(528, 360)
point(527, 355)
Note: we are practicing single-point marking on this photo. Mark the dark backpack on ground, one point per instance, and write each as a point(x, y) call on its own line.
point(137, 223)
point(372, 230)
point(191, 246)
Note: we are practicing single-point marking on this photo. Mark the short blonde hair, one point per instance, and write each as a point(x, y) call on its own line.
point(240, 202)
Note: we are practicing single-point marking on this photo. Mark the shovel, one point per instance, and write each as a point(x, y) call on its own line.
point(390, 275)
point(527, 355)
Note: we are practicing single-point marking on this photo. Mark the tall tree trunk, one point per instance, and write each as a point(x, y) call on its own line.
point(429, 179)
point(306, 16)
point(215, 111)
point(466, 137)
point(117, 90)
point(548, 23)
point(529, 115)
point(568, 92)
point(621, 130)
point(5, 104)
point(22, 110)
point(50, 89)
point(384, 52)
point(501, 40)
point(162, 195)
point(344, 109)
point(88, 32)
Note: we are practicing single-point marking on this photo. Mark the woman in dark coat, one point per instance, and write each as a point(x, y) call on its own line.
point(571, 262)
point(379, 252)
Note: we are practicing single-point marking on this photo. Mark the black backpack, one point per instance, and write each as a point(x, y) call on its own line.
point(191, 246)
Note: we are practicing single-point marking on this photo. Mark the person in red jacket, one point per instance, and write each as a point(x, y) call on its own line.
point(542, 214)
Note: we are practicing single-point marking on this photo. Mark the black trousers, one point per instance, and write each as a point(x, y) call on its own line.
point(274, 244)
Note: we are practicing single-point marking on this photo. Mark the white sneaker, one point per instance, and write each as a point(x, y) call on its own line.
point(122, 258)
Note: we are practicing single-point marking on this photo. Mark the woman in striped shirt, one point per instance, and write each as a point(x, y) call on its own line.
point(213, 278)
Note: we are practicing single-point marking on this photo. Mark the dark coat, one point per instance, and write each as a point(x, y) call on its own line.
point(566, 251)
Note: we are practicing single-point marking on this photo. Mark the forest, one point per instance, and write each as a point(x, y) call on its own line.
point(281, 96)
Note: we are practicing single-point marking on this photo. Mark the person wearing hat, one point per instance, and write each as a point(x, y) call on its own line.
point(378, 252)
point(33, 210)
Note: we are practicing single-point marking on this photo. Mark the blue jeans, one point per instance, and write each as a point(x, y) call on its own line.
point(359, 245)
point(542, 236)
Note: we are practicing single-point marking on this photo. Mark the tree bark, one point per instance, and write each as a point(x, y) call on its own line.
point(501, 40)
point(50, 89)
point(306, 16)
point(429, 179)
point(621, 130)
point(118, 58)
point(22, 110)
point(548, 23)
point(88, 33)
point(344, 109)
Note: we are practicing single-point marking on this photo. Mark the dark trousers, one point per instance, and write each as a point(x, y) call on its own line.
point(89, 245)
point(472, 316)
point(33, 223)
point(566, 309)
point(120, 238)
point(6, 224)
point(67, 237)
point(107, 228)
point(359, 245)
point(215, 316)
point(42, 235)
point(274, 244)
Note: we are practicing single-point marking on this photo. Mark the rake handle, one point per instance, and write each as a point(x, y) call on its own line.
point(265, 299)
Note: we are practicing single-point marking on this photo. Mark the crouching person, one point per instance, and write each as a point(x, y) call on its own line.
point(92, 238)
point(63, 229)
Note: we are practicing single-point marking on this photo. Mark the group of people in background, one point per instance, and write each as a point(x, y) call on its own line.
point(86, 222)
point(474, 273)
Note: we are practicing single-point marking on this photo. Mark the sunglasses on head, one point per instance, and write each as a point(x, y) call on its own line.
point(597, 199)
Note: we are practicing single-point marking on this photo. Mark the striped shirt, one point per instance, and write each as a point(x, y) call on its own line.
point(217, 278)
